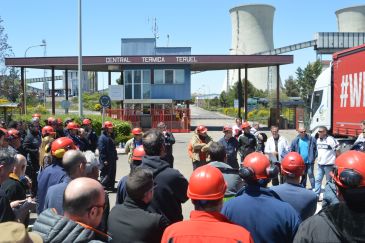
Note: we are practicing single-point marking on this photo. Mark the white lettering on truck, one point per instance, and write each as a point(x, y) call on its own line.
point(357, 89)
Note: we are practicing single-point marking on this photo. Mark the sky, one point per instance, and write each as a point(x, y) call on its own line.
point(203, 25)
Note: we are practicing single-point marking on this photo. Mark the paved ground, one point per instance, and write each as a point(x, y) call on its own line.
point(182, 161)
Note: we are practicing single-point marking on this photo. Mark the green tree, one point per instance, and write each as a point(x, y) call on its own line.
point(291, 87)
point(9, 78)
point(306, 79)
point(232, 94)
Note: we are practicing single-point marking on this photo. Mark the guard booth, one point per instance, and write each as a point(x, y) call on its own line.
point(145, 114)
point(6, 111)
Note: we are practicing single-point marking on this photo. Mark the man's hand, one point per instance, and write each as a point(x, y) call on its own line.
point(17, 203)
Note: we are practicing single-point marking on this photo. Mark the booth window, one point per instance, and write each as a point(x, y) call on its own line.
point(169, 76)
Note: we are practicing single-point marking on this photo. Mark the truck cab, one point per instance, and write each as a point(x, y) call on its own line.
point(321, 104)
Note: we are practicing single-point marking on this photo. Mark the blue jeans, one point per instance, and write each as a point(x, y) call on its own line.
point(308, 171)
point(322, 170)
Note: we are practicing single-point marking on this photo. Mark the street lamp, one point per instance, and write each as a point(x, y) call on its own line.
point(25, 76)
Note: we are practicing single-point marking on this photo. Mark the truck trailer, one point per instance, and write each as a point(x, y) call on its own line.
point(338, 100)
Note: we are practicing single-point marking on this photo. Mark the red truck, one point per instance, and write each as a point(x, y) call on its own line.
point(338, 101)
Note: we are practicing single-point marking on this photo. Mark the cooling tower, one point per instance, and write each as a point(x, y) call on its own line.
point(351, 19)
point(252, 32)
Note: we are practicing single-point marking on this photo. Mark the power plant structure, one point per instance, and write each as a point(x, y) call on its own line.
point(252, 32)
point(351, 19)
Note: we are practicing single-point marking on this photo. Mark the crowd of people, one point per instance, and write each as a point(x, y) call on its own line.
point(54, 171)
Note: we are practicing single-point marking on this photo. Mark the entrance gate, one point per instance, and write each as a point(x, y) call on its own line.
point(177, 120)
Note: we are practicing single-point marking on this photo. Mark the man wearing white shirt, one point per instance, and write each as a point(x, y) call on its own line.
point(276, 147)
point(328, 149)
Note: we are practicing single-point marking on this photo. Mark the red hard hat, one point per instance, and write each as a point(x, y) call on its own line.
point(227, 128)
point(293, 165)
point(349, 169)
point(136, 131)
point(201, 129)
point(36, 115)
point(206, 183)
point(51, 120)
point(138, 153)
point(245, 125)
point(48, 130)
point(61, 145)
point(258, 163)
point(13, 133)
point(108, 124)
point(72, 126)
point(86, 122)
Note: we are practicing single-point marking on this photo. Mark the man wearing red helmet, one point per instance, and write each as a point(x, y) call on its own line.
point(206, 191)
point(133, 143)
point(344, 221)
point(199, 145)
point(231, 145)
point(54, 173)
point(14, 140)
point(107, 156)
point(292, 192)
point(258, 208)
point(246, 141)
point(90, 135)
point(74, 133)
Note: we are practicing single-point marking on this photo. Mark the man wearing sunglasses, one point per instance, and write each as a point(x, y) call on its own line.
point(83, 204)
point(327, 149)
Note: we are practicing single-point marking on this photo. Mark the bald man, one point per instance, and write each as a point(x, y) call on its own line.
point(74, 163)
point(83, 205)
point(13, 187)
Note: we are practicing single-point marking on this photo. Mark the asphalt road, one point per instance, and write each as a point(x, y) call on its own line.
point(182, 161)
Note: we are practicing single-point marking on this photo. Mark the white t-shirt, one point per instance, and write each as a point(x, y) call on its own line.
point(327, 148)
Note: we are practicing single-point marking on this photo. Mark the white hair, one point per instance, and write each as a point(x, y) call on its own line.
point(91, 161)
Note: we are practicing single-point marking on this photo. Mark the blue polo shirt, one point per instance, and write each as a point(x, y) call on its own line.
point(304, 148)
point(267, 218)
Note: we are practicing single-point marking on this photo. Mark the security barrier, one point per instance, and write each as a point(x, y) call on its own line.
point(177, 120)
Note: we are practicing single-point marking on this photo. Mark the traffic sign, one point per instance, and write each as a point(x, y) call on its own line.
point(105, 101)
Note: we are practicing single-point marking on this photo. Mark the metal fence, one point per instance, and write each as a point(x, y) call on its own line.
point(177, 120)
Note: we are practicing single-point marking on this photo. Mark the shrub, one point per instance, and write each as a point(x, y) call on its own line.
point(121, 128)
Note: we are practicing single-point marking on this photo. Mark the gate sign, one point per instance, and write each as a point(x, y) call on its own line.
point(105, 101)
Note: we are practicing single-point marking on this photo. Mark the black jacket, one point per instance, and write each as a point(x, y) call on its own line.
point(171, 188)
point(335, 223)
point(55, 228)
point(169, 141)
point(107, 150)
point(93, 140)
point(6, 213)
point(246, 144)
point(131, 222)
point(31, 146)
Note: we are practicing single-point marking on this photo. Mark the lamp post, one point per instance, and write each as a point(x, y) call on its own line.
point(80, 60)
point(25, 76)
